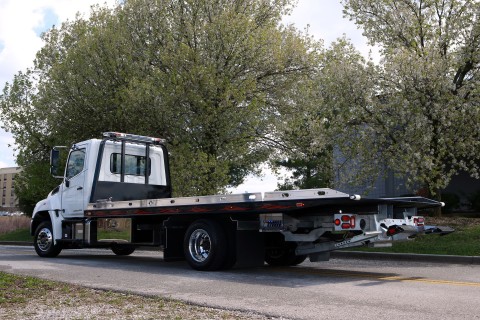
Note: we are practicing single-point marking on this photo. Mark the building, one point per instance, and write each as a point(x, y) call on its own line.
point(9, 201)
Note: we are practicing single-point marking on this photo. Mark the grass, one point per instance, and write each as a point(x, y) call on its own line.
point(113, 234)
point(464, 242)
point(20, 296)
point(21, 235)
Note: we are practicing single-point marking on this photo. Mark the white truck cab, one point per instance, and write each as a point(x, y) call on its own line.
point(111, 169)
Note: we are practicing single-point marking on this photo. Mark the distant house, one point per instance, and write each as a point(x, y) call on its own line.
point(9, 201)
point(384, 185)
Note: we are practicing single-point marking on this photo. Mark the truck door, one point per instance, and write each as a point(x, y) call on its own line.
point(73, 187)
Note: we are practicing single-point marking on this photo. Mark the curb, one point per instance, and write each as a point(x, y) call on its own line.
point(406, 257)
point(16, 243)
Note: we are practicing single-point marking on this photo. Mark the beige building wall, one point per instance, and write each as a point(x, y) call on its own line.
point(8, 198)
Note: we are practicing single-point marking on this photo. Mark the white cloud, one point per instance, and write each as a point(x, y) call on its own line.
point(7, 158)
point(21, 23)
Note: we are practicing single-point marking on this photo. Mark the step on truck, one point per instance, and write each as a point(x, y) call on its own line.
point(116, 193)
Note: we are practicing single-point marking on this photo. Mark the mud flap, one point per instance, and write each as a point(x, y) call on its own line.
point(173, 244)
point(250, 247)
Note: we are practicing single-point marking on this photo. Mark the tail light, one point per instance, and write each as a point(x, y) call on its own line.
point(345, 222)
point(419, 221)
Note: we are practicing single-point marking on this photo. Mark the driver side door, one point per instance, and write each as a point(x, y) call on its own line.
point(73, 188)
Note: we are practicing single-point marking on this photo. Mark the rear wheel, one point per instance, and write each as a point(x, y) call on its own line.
point(283, 257)
point(44, 242)
point(122, 250)
point(205, 246)
point(282, 253)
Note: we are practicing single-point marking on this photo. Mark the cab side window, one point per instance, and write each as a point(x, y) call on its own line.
point(75, 163)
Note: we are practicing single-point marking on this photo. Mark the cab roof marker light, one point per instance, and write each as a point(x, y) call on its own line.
point(133, 137)
point(114, 134)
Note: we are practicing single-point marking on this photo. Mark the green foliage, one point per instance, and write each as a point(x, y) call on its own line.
point(312, 123)
point(463, 243)
point(422, 118)
point(206, 75)
point(474, 199)
point(314, 172)
point(452, 201)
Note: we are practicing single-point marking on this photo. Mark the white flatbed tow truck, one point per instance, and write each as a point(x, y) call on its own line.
point(116, 193)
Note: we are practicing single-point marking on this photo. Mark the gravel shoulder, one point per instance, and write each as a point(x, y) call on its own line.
point(31, 298)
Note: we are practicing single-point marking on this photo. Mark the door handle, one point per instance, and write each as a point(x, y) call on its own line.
point(79, 188)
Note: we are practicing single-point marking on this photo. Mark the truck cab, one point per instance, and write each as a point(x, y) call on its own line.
point(119, 167)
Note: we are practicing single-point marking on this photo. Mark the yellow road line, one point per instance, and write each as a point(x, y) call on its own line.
point(375, 276)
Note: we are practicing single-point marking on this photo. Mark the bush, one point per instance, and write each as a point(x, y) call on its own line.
point(452, 202)
point(474, 199)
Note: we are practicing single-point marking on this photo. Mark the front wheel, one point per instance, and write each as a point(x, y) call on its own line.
point(205, 245)
point(44, 242)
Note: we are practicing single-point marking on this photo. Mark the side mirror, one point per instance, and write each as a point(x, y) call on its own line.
point(55, 162)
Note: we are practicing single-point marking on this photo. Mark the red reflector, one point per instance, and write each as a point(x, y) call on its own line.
point(392, 230)
point(345, 225)
point(300, 204)
point(418, 221)
point(337, 222)
point(345, 218)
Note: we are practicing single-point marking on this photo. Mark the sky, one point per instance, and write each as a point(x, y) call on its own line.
point(23, 21)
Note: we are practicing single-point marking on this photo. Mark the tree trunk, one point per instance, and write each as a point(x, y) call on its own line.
point(436, 194)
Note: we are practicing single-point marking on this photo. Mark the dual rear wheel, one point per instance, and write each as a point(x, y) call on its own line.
point(206, 247)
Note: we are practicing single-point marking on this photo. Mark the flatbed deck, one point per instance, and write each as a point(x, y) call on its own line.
point(295, 202)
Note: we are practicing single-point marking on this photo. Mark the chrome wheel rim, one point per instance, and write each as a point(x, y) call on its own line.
point(44, 239)
point(199, 245)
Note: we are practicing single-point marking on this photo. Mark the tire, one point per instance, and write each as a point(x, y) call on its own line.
point(280, 253)
point(43, 241)
point(283, 257)
point(122, 250)
point(205, 246)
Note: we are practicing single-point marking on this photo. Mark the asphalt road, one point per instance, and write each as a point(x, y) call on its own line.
point(340, 288)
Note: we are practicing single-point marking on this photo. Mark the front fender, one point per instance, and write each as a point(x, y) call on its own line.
point(48, 209)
